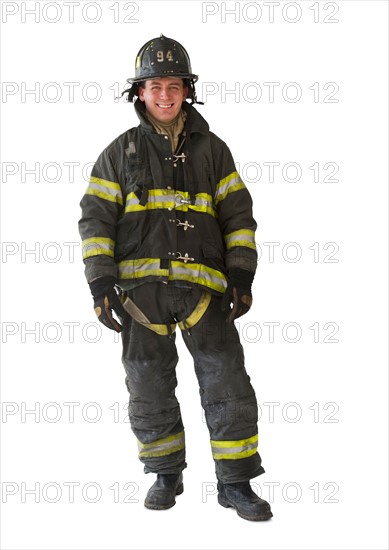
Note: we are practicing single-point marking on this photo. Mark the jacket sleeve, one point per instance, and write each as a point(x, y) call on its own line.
point(234, 209)
point(101, 208)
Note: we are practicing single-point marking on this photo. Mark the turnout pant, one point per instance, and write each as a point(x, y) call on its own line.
point(227, 396)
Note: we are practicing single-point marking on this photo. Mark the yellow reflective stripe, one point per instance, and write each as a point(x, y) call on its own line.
point(197, 313)
point(165, 198)
point(106, 183)
point(157, 198)
point(203, 203)
point(97, 245)
point(242, 237)
point(236, 456)
point(142, 267)
point(179, 271)
point(162, 447)
point(228, 185)
point(198, 273)
point(242, 243)
point(104, 189)
point(234, 442)
point(234, 450)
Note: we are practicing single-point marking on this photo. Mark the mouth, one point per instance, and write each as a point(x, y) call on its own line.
point(165, 106)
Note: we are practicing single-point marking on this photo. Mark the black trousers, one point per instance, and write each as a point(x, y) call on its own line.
point(227, 396)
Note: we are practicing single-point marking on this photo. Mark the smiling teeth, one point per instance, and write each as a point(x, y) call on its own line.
point(166, 106)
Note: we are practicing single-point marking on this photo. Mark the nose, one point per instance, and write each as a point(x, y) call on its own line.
point(164, 93)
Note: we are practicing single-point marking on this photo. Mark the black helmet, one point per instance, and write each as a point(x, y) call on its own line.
point(161, 57)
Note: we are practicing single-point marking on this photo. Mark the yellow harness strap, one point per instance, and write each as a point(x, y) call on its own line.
point(138, 316)
point(198, 311)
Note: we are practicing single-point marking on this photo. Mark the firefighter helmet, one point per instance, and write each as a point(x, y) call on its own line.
point(162, 57)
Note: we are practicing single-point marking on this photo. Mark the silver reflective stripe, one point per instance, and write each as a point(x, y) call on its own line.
point(155, 200)
point(223, 188)
point(243, 237)
point(184, 270)
point(161, 198)
point(167, 445)
point(179, 200)
point(240, 237)
point(215, 280)
point(145, 266)
point(162, 446)
point(199, 273)
point(104, 189)
point(203, 202)
point(97, 246)
point(235, 450)
point(130, 202)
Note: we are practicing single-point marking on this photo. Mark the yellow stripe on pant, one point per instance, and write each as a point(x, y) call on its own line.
point(234, 450)
point(162, 447)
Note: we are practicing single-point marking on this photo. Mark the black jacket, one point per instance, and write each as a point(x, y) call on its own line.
point(148, 215)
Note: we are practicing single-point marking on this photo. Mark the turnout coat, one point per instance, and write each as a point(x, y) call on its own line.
point(151, 215)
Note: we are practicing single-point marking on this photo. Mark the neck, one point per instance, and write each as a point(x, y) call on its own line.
point(163, 124)
point(173, 128)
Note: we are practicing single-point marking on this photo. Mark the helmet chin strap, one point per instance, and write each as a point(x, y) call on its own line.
point(194, 96)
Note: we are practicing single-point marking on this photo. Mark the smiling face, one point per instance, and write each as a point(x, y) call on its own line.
point(163, 97)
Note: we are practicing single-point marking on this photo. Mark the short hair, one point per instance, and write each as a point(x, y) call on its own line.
point(133, 90)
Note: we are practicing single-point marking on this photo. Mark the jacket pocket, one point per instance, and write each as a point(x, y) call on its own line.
point(211, 250)
point(137, 194)
point(213, 256)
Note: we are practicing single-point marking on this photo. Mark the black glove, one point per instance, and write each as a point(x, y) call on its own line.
point(106, 300)
point(238, 292)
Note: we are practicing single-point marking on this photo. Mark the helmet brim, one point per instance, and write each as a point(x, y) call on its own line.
point(166, 74)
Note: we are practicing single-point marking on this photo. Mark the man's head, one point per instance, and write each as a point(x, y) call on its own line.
point(163, 97)
point(161, 58)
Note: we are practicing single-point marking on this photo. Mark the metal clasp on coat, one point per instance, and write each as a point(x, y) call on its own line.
point(182, 157)
point(180, 199)
point(186, 224)
point(185, 258)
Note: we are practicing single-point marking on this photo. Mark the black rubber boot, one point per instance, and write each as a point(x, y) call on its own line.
point(161, 495)
point(246, 503)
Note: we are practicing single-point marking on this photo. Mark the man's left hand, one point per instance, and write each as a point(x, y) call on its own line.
point(239, 293)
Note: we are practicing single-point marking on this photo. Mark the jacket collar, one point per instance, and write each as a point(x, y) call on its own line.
point(195, 123)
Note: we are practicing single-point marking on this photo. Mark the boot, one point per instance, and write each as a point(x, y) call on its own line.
point(246, 503)
point(161, 495)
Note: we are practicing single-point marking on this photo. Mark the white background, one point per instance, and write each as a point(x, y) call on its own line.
point(329, 467)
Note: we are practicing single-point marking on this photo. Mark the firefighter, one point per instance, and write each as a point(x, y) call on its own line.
point(168, 238)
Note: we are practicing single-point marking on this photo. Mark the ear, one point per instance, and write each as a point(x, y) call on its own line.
point(141, 93)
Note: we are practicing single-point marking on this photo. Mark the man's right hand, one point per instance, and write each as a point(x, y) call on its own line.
point(105, 300)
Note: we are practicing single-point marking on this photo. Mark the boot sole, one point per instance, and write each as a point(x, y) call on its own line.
point(179, 491)
point(227, 504)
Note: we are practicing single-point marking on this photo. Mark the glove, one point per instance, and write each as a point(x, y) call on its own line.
point(106, 300)
point(238, 292)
